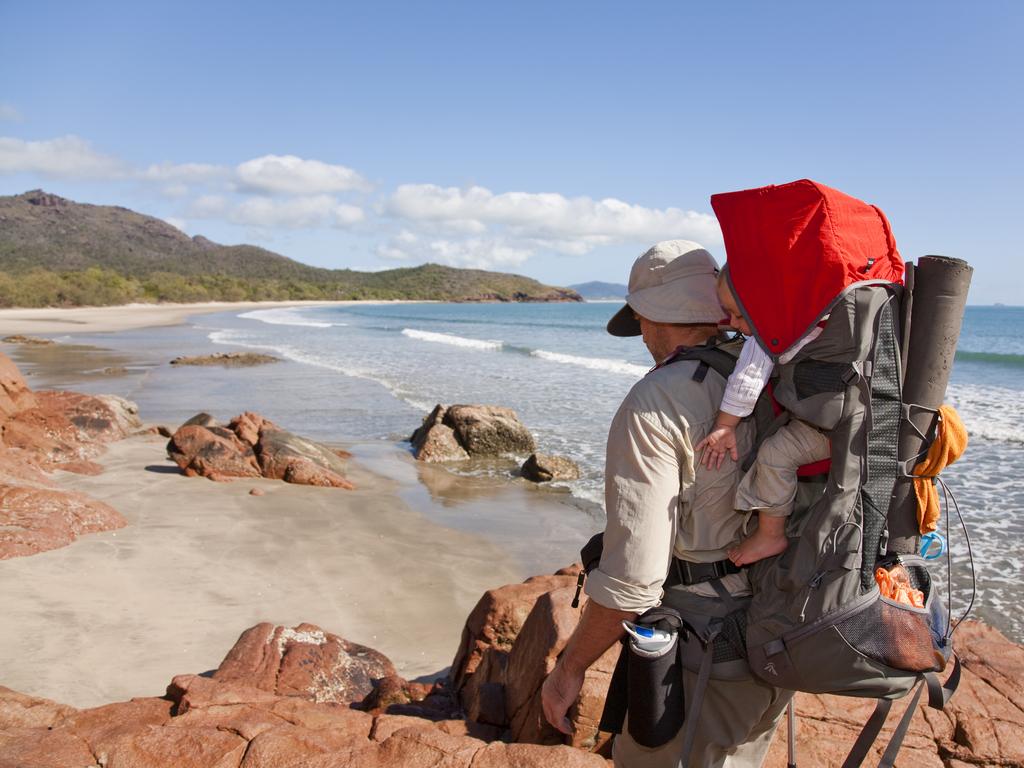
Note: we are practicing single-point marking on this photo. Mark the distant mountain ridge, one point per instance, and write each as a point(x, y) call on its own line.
point(69, 251)
point(595, 289)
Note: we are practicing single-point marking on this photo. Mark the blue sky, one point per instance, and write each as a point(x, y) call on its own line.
point(555, 140)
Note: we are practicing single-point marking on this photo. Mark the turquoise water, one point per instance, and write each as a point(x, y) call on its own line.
point(371, 372)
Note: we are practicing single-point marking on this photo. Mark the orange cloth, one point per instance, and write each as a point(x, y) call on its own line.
point(949, 444)
point(895, 584)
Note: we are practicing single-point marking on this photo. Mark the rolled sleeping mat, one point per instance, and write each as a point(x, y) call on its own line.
point(940, 287)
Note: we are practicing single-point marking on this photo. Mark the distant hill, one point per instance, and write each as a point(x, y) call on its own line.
point(56, 252)
point(598, 290)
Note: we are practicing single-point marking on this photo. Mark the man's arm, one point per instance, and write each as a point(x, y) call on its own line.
point(598, 629)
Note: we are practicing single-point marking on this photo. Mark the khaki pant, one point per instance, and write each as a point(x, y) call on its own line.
point(770, 485)
point(736, 723)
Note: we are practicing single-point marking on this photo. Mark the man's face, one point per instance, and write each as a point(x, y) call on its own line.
point(728, 302)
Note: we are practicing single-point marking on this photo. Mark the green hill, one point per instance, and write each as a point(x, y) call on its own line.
point(56, 252)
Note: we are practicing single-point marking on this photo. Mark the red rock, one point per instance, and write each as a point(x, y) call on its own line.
point(35, 519)
point(303, 661)
point(439, 444)
point(533, 656)
point(90, 468)
point(544, 467)
point(42, 748)
point(212, 452)
point(189, 692)
point(257, 492)
point(247, 426)
point(162, 747)
point(288, 746)
point(534, 756)
point(489, 430)
point(18, 710)
point(15, 395)
point(82, 420)
point(496, 619)
point(102, 725)
point(294, 459)
point(394, 690)
point(308, 714)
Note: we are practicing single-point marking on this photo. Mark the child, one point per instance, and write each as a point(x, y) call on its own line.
point(770, 486)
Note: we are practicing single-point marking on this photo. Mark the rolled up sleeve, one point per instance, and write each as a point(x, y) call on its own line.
point(642, 485)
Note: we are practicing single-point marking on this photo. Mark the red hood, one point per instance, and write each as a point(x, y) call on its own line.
point(792, 249)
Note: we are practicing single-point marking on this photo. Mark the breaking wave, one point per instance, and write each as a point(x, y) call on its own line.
point(285, 317)
point(455, 341)
point(593, 363)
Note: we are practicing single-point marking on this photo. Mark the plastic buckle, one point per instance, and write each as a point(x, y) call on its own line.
point(926, 544)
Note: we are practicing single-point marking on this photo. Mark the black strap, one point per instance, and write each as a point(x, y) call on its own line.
point(697, 700)
point(892, 749)
point(868, 734)
point(614, 713)
point(687, 573)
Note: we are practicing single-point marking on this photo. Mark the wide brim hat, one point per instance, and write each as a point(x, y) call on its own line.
point(673, 282)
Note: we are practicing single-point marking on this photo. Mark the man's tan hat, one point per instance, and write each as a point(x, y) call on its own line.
point(674, 282)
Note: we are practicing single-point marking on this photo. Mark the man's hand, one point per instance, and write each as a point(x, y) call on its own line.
point(559, 692)
point(718, 442)
point(598, 630)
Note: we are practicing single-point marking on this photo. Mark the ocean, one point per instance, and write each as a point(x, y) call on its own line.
point(371, 372)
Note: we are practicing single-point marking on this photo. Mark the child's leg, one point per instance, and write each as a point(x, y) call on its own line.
point(769, 539)
point(770, 487)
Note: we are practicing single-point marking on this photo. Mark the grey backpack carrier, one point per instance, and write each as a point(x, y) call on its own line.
point(816, 621)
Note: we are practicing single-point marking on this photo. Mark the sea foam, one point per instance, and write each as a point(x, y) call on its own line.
point(593, 363)
point(285, 316)
point(455, 341)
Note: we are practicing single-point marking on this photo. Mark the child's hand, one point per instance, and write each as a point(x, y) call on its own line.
point(718, 442)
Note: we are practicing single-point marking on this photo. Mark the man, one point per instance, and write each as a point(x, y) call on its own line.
point(670, 519)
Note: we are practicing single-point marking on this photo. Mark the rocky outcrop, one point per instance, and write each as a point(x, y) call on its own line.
point(544, 467)
point(34, 520)
point(41, 432)
point(498, 669)
point(241, 718)
point(252, 446)
point(298, 697)
point(27, 340)
point(511, 641)
point(229, 359)
point(304, 661)
point(458, 432)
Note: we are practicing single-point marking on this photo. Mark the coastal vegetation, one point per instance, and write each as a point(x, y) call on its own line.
point(58, 253)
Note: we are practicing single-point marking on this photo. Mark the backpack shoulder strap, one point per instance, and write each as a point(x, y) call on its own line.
point(721, 358)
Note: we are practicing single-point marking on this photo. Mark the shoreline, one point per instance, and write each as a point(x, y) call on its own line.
point(396, 565)
point(126, 317)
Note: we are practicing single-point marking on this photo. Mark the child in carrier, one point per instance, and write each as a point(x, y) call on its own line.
point(769, 488)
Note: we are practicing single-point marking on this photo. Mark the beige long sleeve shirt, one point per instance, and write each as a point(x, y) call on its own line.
point(659, 502)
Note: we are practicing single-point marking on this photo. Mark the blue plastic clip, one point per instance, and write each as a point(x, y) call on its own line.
point(926, 544)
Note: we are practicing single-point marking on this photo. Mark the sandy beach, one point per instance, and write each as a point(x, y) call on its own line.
point(128, 316)
point(396, 564)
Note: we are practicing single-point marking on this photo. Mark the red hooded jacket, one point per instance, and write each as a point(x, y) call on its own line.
point(793, 249)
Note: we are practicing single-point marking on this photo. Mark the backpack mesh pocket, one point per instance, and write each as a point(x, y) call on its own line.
point(896, 635)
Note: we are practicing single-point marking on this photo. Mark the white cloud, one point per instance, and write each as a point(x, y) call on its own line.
point(476, 253)
point(295, 213)
point(575, 224)
point(290, 175)
point(65, 157)
point(209, 207)
point(9, 114)
point(190, 173)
